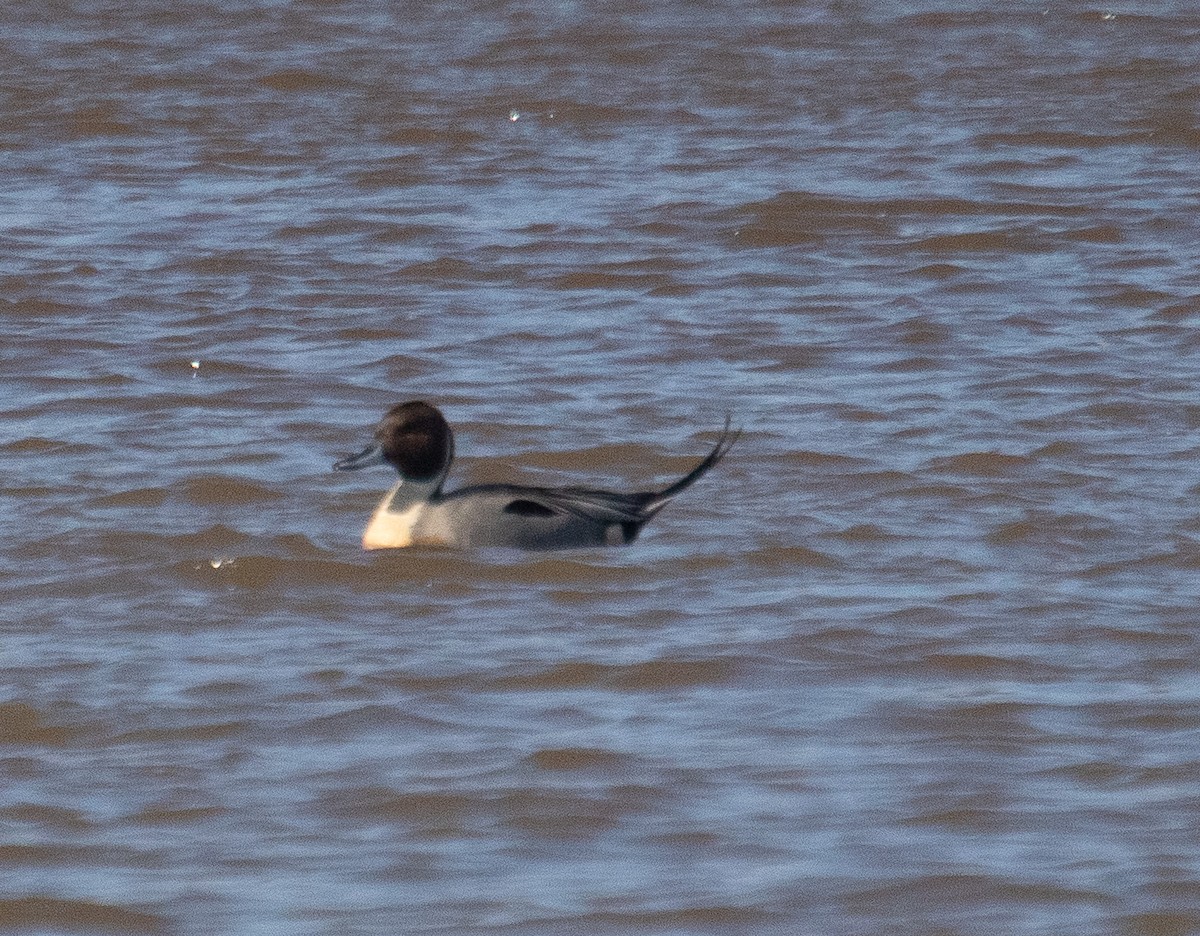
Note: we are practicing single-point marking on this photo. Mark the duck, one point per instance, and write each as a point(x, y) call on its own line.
point(417, 441)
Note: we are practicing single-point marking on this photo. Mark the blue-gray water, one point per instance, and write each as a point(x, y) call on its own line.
point(919, 657)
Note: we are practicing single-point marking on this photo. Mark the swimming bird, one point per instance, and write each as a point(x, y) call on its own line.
point(415, 439)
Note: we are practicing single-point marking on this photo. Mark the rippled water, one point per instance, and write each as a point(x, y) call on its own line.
point(918, 657)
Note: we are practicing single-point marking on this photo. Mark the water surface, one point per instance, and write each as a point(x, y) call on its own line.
point(918, 657)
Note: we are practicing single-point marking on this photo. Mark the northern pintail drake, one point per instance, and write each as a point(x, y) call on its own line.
point(415, 439)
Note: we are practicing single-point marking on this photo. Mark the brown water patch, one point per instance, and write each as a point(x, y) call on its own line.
point(920, 331)
point(443, 570)
point(103, 119)
point(1097, 234)
point(938, 271)
point(983, 666)
point(1162, 923)
point(699, 564)
point(1131, 297)
point(57, 854)
point(1129, 413)
point(1146, 636)
point(858, 414)
point(798, 218)
point(1092, 773)
point(983, 464)
point(1050, 529)
point(221, 691)
point(790, 358)
point(1060, 449)
point(382, 804)
point(48, 912)
point(402, 367)
point(217, 490)
point(821, 461)
point(564, 572)
point(800, 557)
point(962, 820)
point(964, 890)
point(1185, 555)
point(444, 269)
point(224, 263)
point(575, 759)
point(259, 572)
point(454, 136)
point(398, 174)
point(184, 734)
point(58, 817)
point(302, 80)
point(865, 533)
point(415, 135)
point(1018, 531)
point(568, 812)
point(174, 815)
point(214, 539)
point(139, 497)
point(1178, 311)
point(909, 365)
point(971, 241)
point(36, 306)
point(595, 459)
point(559, 814)
point(831, 644)
point(23, 724)
point(36, 445)
point(996, 727)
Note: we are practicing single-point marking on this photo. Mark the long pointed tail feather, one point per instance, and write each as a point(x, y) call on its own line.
point(657, 500)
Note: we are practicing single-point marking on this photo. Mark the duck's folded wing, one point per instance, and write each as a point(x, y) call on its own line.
point(601, 507)
point(590, 504)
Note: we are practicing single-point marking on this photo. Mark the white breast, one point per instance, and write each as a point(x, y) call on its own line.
point(388, 530)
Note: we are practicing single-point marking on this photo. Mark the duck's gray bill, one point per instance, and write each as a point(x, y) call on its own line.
point(371, 455)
